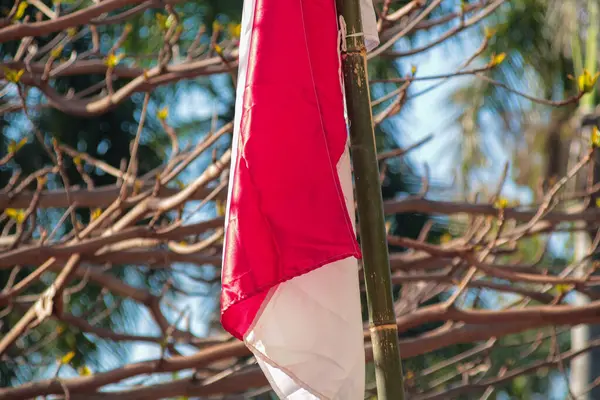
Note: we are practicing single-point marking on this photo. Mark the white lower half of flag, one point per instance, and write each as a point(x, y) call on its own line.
point(308, 337)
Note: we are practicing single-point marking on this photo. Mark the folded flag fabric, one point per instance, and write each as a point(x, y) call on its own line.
point(290, 285)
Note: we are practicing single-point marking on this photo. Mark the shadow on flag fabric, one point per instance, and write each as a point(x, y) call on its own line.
point(290, 285)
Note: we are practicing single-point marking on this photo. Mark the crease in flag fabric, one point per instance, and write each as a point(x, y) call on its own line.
point(290, 285)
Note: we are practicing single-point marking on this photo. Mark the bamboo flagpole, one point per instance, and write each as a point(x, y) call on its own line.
point(382, 319)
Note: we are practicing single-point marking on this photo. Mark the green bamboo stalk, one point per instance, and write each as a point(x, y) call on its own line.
point(382, 319)
point(591, 52)
point(587, 367)
point(576, 53)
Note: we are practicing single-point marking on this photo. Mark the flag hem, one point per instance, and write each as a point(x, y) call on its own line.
point(258, 354)
point(272, 363)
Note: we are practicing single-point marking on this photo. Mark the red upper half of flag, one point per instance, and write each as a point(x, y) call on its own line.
point(287, 214)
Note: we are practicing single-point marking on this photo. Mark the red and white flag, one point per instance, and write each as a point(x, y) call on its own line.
point(290, 285)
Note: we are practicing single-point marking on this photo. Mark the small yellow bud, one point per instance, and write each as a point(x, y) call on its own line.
point(497, 59)
point(137, 186)
point(164, 22)
point(67, 358)
point(84, 371)
point(563, 288)
point(56, 52)
point(20, 11)
point(42, 180)
point(16, 214)
point(445, 238)
point(586, 81)
point(235, 30)
point(595, 137)
point(163, 113)
point(161, 21)
point(501, 203)
point(113, 60)
point(220, 207)
point(13, 146)
point(13, 75)
point(489, 32)
point(96, 214)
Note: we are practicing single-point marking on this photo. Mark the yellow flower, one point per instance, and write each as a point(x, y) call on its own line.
point(13, 75)
point(586, 81)
point(84, 371)
point(71, 31)
point(17, 214)
point(413, 70)
point(163, 113)
point(218, 49)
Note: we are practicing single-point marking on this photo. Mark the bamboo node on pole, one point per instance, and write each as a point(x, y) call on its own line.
point(382, 327)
